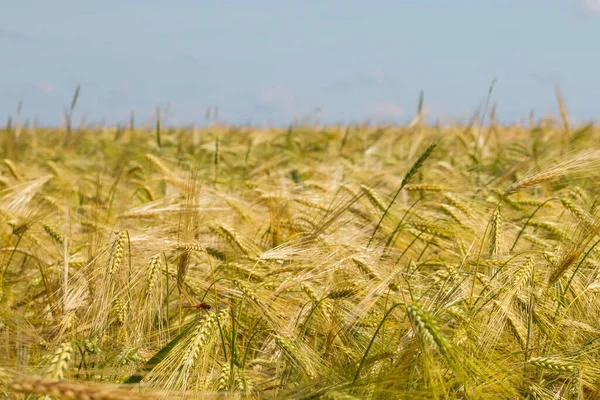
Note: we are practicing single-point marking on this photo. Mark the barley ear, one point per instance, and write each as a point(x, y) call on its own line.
point(409, 175)
point(553, 364)
point(495, 235)
point(69, 390)
point(60, 361)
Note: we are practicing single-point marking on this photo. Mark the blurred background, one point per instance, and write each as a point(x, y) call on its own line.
point(270, 62)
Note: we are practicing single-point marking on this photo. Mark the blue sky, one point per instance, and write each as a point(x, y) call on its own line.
point(272, 61)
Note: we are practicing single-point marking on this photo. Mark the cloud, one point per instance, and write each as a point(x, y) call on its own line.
point(374, 76)
point(592, 6)
point(276, 102)
point(45, 87)
point(277, 95)
point(384, 110)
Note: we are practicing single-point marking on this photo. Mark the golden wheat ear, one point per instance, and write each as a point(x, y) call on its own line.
point(28, 385)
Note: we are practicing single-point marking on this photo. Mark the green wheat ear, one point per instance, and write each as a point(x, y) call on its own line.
point(409, 175)
point(158, 127)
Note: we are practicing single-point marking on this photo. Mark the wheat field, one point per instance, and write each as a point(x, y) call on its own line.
point(358, 262)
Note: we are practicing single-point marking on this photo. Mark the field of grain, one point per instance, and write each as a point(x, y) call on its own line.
point(356, 262)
